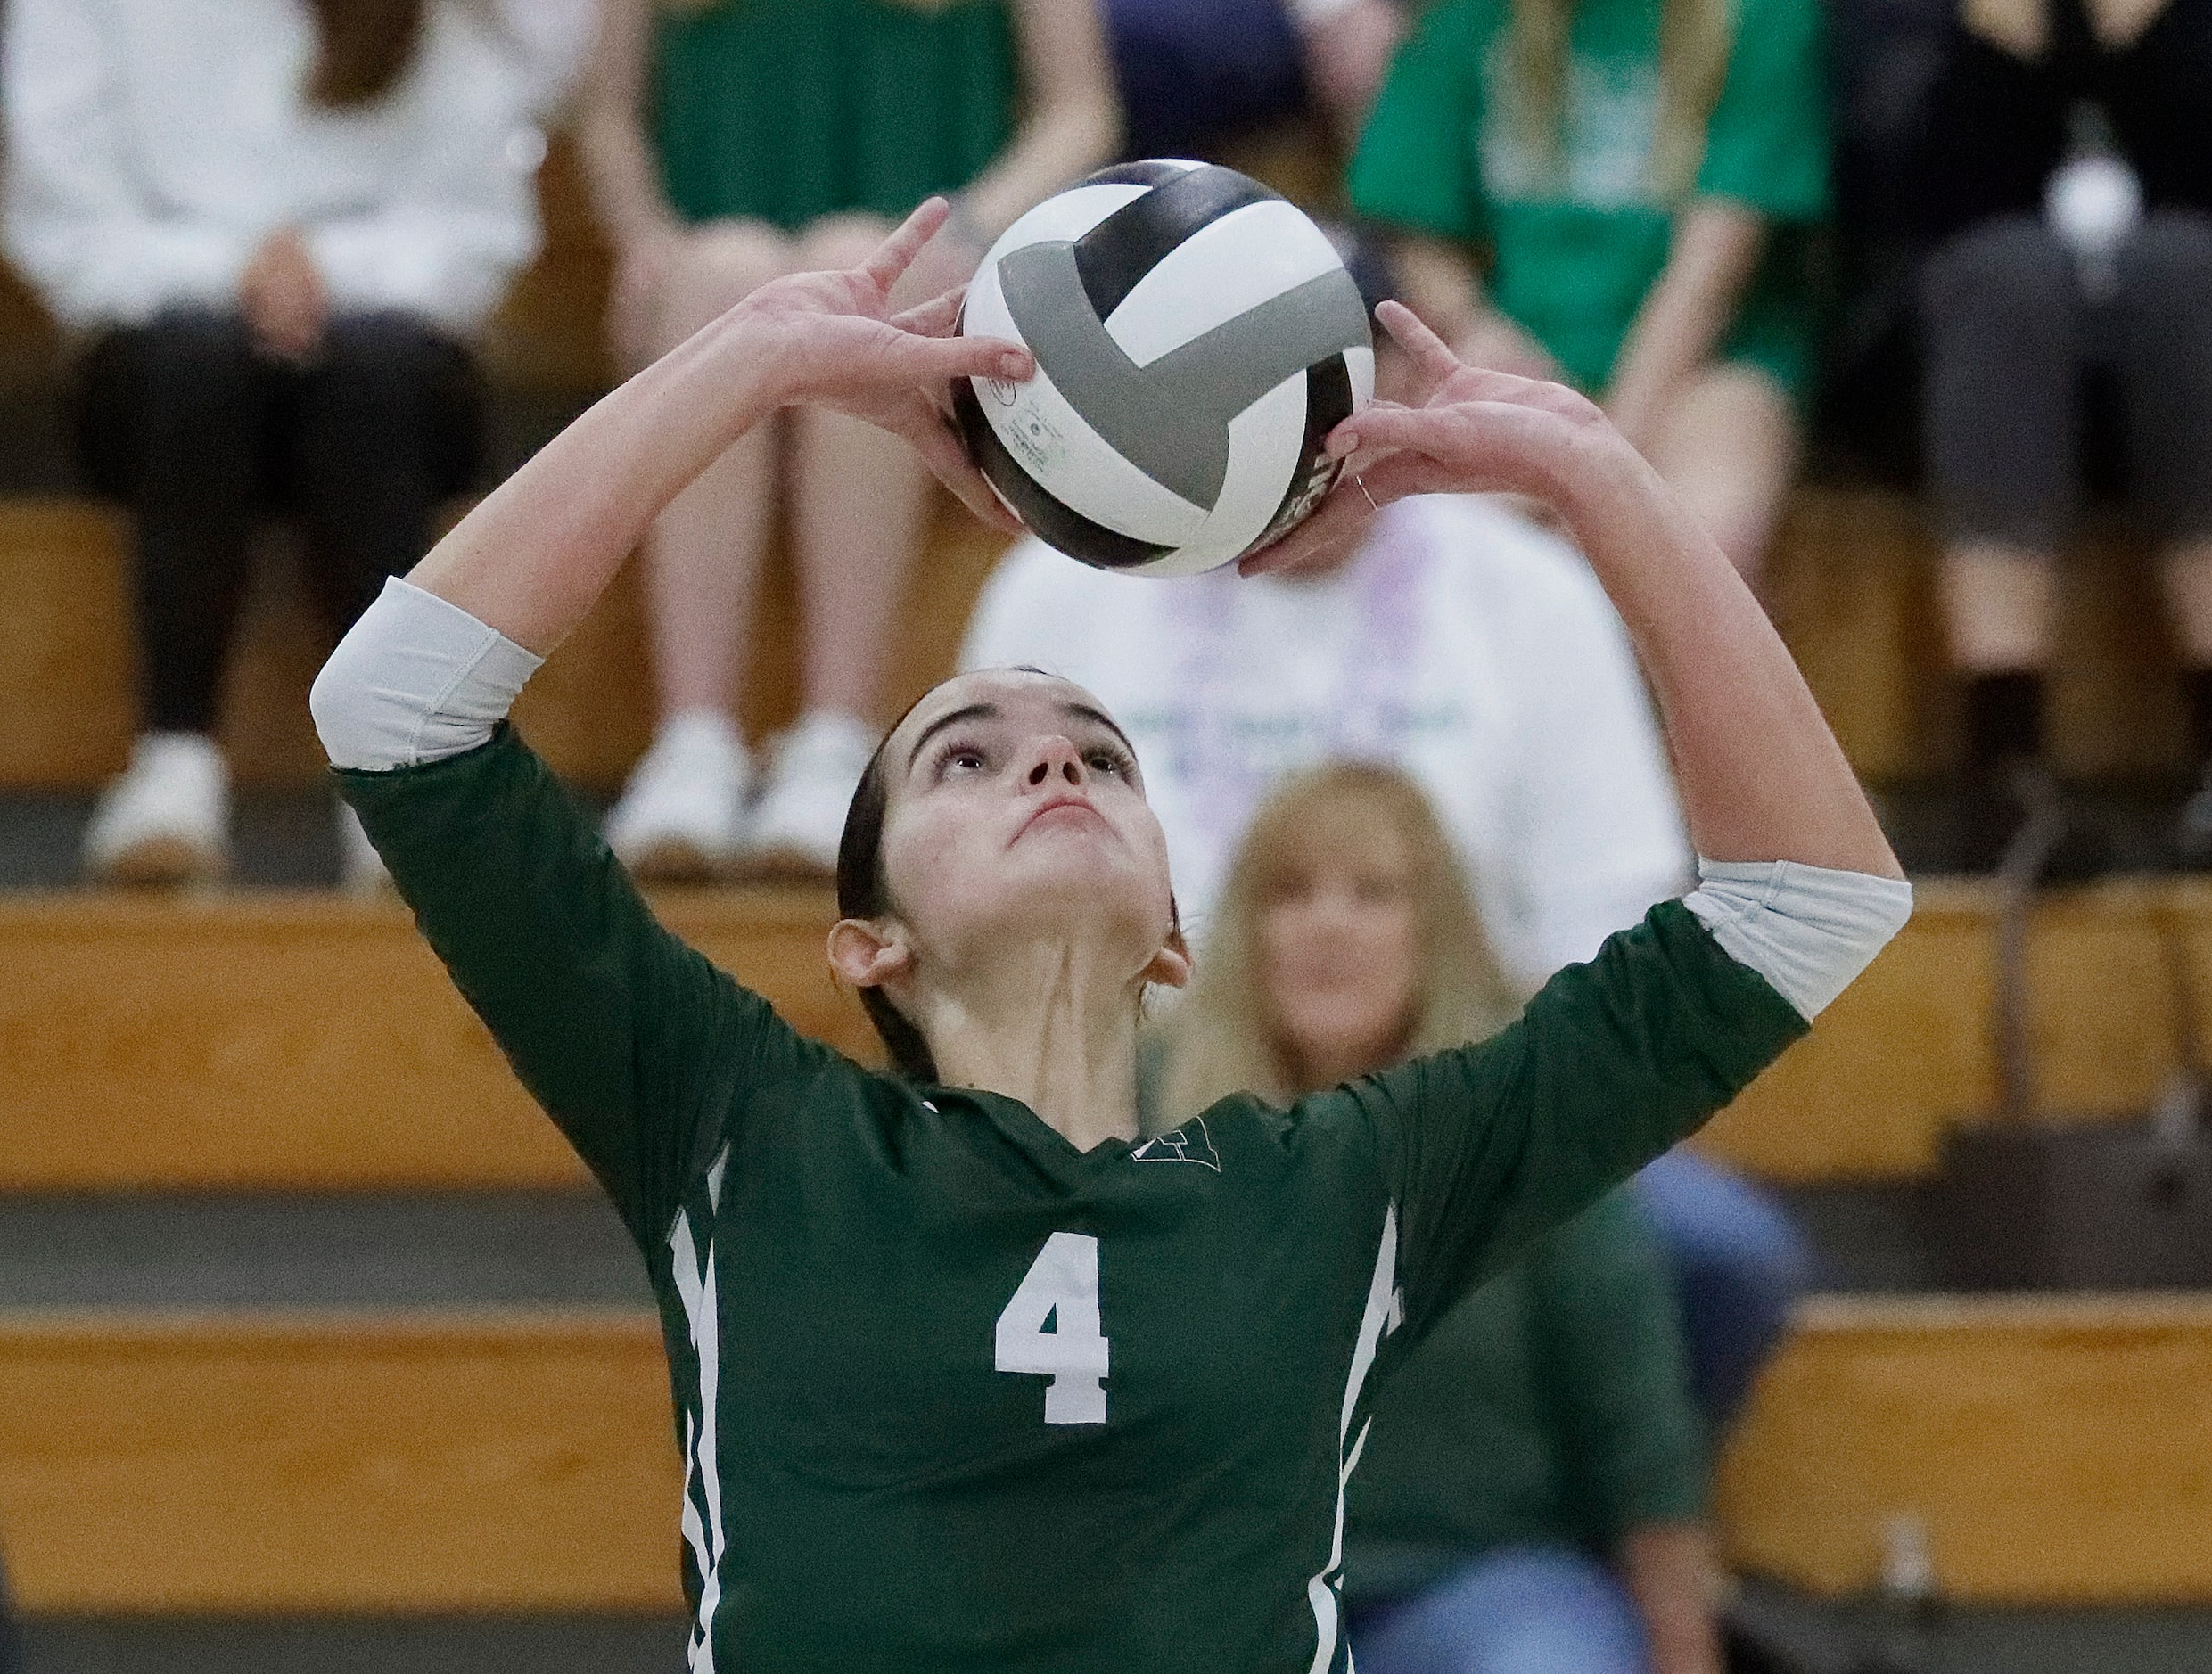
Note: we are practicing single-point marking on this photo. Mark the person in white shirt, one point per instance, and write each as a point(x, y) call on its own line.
point(1477, 651)
point(270, 228)
point(1461, 643)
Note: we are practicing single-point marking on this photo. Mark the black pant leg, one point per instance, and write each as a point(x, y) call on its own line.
point(2003, 320)
point(2164, 351)
point(173, 427)
point(385, 425)
point(11, 1635)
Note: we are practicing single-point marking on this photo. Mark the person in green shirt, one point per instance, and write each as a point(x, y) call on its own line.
point(1532, 1495)
point(731, 140)
point(1639, 176)
point(969, 1376)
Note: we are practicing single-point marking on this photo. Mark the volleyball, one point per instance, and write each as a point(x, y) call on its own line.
point(1196, 339)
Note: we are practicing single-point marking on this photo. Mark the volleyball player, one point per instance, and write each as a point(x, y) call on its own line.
point(968, 1378)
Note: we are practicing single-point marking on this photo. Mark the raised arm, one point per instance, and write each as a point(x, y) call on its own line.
point(530, 561)
point(1761, 777)
point(638, 1049)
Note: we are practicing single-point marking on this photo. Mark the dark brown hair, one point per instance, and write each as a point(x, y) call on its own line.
point(864, 891)
point(362, 47)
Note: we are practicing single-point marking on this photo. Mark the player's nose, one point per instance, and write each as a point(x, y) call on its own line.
point(1055, 758)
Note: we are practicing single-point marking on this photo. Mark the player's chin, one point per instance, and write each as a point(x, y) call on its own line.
point(1077, 871)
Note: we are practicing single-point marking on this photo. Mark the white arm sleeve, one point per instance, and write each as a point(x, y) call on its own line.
point(418, 679)
point(1809, 931)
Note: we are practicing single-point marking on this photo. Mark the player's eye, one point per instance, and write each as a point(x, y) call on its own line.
point(961, 757)
point(1111, 759)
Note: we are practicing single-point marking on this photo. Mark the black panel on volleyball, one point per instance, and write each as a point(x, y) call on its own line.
point(1327, 404)
point(1118, 252)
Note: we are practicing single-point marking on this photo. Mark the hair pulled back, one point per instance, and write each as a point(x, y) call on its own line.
point(362, 47)
point(864, 891)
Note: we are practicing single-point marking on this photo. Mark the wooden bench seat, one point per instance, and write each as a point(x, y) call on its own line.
point(304, 1041)
point(2056, 1451)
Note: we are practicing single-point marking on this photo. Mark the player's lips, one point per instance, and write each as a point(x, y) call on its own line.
point(1060, 803)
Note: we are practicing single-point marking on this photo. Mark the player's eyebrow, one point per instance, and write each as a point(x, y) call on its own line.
point(989, 712)
point(1084, 712)
point(953, 718)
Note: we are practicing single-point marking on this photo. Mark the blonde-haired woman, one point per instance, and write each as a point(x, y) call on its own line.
point(1530, 1500)
point(1346, 940)
point(730, 141)
point(1638, 176)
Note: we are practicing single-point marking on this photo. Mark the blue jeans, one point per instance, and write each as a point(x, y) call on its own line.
point(1740, 1262)
point(1519, 1610)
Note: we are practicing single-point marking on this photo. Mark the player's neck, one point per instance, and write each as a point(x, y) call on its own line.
point(1053, 1025)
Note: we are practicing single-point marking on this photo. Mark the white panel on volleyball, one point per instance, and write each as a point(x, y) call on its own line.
point(1265, 443)
point(1360, 364)
point(1088, 476)
point(1069, 216)
point(1227, 267)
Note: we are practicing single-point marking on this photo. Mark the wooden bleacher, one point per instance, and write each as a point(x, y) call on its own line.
point(411, 1464)
point(440, 1463)
point(140, 1046)
point(1850, 589)
point(2057, 1449)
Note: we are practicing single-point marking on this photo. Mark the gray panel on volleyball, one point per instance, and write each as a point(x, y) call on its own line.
point(1171, 419)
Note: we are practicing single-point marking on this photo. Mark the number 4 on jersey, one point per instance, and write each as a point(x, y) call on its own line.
point(1060, 1291)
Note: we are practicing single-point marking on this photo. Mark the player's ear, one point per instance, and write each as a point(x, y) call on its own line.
point(1171, 965)
point(869, 952)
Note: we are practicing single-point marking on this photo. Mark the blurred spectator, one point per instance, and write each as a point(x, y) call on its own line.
point(1478, 653)
point(1639, 175)
point(729, 143)
point(1531, 1493)
point(1196, 75)
point(1459, 641)
point(2065, 236)
point(272, 228)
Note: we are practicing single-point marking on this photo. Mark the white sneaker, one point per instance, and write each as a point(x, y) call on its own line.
point(166, 819)
point(681, 816)
point(360, 868)
point(801, 815)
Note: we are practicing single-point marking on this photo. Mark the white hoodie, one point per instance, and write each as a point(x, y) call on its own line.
point(152, 144)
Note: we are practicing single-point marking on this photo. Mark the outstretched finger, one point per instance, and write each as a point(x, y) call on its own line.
point(1432, 357)
point(1386, 424)
point(936, 317)
point(941, 359)
point(896, 253)
point(931, 433)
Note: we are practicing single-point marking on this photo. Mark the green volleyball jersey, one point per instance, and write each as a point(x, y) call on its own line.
point(953, 1395)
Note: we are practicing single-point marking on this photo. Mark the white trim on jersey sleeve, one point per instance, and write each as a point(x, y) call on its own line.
point(1809, 931)
point(416, 680)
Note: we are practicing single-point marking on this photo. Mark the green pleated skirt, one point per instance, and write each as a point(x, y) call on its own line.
point(788, 110)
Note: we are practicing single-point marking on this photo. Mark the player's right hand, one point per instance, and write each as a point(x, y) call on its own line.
point(837, 344)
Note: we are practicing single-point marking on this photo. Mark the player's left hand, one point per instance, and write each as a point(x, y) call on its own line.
point(840, 345)
point(1471, 432)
